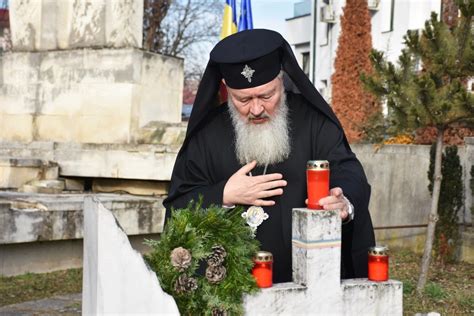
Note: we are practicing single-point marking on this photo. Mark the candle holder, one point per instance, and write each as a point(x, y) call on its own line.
point(317, 182)
point(378, 263)
point(263, 269)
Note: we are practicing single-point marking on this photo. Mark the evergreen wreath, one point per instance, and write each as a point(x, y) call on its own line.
point(204, 259)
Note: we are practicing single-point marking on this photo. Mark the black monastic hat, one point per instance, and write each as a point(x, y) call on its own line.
point(248, 59)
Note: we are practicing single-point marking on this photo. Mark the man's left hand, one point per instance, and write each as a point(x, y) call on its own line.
point(336, 201)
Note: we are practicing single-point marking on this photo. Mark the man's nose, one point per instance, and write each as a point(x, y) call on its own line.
point(256, 107)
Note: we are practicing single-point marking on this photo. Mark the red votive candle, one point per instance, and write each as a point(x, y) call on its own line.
point(317, 182)
point(378, 263)
point(263, 269)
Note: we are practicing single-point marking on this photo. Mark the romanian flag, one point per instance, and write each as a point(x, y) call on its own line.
point(229, 22)
point(245, 20)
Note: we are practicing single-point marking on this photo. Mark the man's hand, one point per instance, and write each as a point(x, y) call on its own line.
point(335, 201)
point(246, 190)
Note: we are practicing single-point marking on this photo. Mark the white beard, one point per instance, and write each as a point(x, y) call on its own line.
point(267, 143)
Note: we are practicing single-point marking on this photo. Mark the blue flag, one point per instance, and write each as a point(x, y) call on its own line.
point(245, 20)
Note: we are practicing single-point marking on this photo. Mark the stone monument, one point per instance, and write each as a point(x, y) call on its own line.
point(316, 288)
point(77, 73)
point(116, 278)
point(82, 108)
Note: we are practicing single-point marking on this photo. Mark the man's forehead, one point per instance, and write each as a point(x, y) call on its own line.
point(262, 89)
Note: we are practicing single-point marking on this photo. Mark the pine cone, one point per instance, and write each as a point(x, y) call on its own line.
point(185, 284)
point(219, 312)
point(180, 258)
point(216, 258)
point(215, 274)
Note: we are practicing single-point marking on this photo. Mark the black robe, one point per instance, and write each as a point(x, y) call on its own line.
point(209, 160)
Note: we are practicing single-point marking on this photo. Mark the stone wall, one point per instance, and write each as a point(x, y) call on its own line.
point(400, 196)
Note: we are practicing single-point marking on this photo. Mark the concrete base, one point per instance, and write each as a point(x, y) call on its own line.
point(363, 297)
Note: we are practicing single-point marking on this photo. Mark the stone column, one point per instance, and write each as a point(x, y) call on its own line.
point(317, 257)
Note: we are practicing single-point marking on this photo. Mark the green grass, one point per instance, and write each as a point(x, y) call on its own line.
point(434, 291)
point(449, 291)
point(32, 286)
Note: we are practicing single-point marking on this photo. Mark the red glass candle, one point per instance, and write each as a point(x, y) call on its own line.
point(317, 181)
point(263, 269)
point(378, 263)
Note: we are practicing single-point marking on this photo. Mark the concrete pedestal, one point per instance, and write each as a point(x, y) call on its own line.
point(87, 95)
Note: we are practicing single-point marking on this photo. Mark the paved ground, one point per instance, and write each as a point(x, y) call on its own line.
point(58, 305)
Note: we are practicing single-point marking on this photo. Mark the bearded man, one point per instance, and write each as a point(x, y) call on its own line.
point(253, 150)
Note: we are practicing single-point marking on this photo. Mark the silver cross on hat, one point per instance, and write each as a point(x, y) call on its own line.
point(248, 73)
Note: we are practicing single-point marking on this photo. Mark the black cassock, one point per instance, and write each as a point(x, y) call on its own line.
point(209, 160)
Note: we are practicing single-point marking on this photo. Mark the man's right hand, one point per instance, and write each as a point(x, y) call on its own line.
point(246, 190)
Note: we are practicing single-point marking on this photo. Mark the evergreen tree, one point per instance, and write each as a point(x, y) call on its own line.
point(352, 104)
point(450, 203)
point(427, 89)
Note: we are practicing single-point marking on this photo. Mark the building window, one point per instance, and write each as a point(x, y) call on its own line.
point(305, 63)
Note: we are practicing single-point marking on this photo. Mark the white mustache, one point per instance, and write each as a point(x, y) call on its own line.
point(256, 117)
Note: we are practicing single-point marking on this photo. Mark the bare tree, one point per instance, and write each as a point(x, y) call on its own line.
point(154, 13)
point(183, 28)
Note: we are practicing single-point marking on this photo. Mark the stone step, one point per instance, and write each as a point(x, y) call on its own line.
point(119, 161)
point(43, 186)
point(15, 172)
point(31, 217)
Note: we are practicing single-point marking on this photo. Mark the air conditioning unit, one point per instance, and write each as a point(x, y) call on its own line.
point(373, 4)
point(327, 14)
